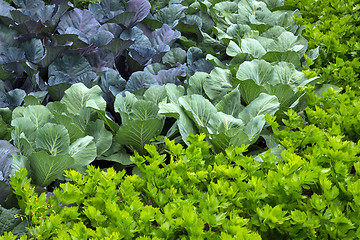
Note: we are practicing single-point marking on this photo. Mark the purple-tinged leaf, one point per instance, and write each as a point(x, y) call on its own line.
point(5, 9)
point(171, 75)
point(101, 38)
point(114, 28)
point(164, 36)
point(141, 9)
point(124, 19)
point(31, 27)
point(12, 54)
point(117, 46)
point(81, 20)
point(106, 10)
point(29, 4)
point(100, 58)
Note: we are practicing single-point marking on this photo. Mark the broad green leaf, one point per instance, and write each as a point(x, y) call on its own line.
point(230, 103)
point(254, 127)
point(53, 138)
point(103, 116)
point(139, 133)
point(254, 12)
point(233, 137)
point(23, 125)
point(102, 137)
point(221, 122)
point(143, 110)
point(198, 109)
point(283, 92)
point(116, 153)
point(259, 71)
point(264, 104)
point(38, 114)
point(46, 167)
point(123, 105)
point(287, 41)
point(78, 94)
point(233, 49)
point(185, 124)
point(83, 151)
point(174, 92)
point(250, 90)
point(174, 56)
point(253, 47)
point(289, 56)
point(287, 74)
point(83, 118)
point(74, 131)
point(20, 161)
point(196, 83)
point(155, 94)
point(57, 108)
point(218, 84)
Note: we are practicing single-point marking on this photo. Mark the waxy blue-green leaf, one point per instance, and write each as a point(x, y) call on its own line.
point(70, 69)
point(287, 41)
point(139, 132)
point(6, 159)
point(289, 56)
point(230, 103)
point(264, 104)
point(46, 168)
point(196, 83)
point(218, 84)
point(174, 56)
point(83, 151)
point(106, 9)
point(254, 12)
point(140, 80)
point(222, 122)
point(102, 137)
point(286, 73)
point(171, 14)
point(156, 94)
point(259, 71)
point(34, 50)
point(198, 109)
point(68, 122)
point(53, 138)
point(38, 114)
point(254, 127)
point(78, 94)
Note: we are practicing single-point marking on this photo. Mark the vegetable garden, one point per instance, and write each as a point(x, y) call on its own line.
point(180, 119)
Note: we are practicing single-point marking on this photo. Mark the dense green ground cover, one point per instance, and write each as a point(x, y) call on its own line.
point(334, 27)
point(298, 177)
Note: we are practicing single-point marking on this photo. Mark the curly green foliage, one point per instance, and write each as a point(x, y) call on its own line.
point(191, 194)
point(335, 110)
point(334, 26)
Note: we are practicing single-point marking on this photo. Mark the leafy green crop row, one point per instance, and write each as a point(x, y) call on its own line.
point(209, 67)
point(334, 27)
point(310, 191)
